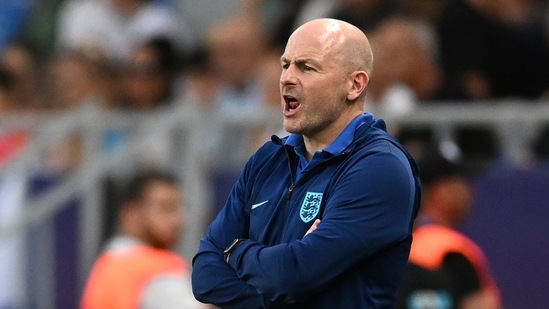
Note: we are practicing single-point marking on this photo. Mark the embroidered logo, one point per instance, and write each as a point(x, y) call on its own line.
point(254, 206)
point(310, 207)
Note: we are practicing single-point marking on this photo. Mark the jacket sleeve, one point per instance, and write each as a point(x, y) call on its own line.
point(213, 280)
point(371, 208)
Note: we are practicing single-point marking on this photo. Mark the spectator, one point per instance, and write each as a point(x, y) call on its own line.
point(147, 83)
point(17, 81)
point(116, 26)
point(427, 10)
point(446, 269)
point(482, 58)
point(138, 268)
point(7, 102)
point(199, 83)
point(407, 74)
point(149, 74)
point(407, 68)
point(21, 61)
point(529, 21)
point(270, 80)
point(76, 78)
point(76, 81)
point(366, 15)
point(237, 47)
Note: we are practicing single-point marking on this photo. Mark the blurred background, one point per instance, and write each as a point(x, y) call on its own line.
point(91, 90)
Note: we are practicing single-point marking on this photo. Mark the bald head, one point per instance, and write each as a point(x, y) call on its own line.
point(344, 41)
point(325, 73)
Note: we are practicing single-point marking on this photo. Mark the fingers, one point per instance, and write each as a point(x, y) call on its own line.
point(313, 227)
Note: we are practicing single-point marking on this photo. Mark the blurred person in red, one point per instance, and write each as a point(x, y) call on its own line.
point(12, 141)
point(139, 268)
point(446, 268)
point(18, 96)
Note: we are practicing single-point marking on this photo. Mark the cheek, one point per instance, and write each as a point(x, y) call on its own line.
point(462, 198)
point(164, 222)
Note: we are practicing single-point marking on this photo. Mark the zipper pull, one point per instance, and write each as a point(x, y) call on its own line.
point(290, 191)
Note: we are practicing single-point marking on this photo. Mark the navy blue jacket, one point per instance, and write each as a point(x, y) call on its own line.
point(367, 197)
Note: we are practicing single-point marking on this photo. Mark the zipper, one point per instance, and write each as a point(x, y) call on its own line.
point(290, 190)
point(287, 209)
point(303, 178)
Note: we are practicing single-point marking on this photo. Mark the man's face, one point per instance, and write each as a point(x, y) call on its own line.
point(145, 83)
point(313, 83)
point(453, 197)
point(460, 195)
point(162, 215)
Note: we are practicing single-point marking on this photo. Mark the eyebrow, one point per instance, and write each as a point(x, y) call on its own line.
point(299, 60)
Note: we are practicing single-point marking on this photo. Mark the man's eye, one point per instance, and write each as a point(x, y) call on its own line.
point(307, 68)
point(285, 66)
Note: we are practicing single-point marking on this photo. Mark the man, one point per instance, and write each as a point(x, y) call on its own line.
point(447, 269)
point(138, 269)
point(322, 218)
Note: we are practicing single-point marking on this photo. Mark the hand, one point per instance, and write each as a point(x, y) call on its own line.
point(313, 227)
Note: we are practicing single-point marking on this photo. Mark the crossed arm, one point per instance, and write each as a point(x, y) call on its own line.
point(257, 275)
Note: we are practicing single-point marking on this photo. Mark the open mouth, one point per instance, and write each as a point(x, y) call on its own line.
point(291, 103)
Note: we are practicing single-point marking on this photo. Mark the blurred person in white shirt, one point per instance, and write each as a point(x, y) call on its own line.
point(116, 26)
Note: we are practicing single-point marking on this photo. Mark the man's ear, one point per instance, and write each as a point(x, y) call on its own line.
point(359, 82)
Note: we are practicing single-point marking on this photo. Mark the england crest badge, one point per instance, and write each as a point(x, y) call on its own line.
point(310, 206)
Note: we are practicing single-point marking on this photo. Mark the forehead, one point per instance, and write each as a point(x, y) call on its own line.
point(312, 43)
point(160, 189)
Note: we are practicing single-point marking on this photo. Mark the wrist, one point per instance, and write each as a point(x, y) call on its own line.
point(231, 248)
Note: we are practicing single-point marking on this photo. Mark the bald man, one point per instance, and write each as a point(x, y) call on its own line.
point(321, 218)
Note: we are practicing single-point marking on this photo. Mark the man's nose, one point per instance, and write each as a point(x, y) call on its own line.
point(288, 76)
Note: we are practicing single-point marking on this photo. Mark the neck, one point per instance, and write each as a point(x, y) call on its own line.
point(440, 218)
point(323, 139)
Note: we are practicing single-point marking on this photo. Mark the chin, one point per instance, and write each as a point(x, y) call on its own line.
point(291, 128)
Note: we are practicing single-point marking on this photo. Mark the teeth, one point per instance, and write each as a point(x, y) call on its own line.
point(288, 96)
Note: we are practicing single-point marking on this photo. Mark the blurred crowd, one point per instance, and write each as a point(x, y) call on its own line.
point(147, 56)
point(142, 55)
